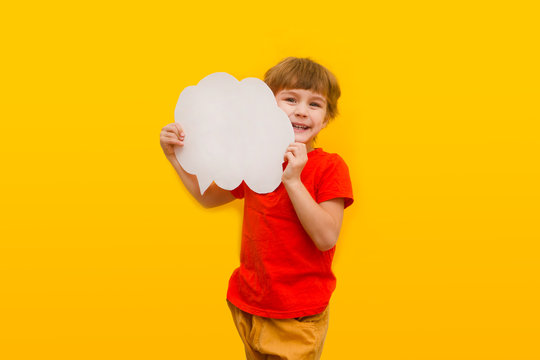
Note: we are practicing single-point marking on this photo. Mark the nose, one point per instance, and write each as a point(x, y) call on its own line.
point(300, 110)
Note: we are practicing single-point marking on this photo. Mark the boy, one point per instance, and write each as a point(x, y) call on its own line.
point(279, 295)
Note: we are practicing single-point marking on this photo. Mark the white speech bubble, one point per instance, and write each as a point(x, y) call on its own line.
point(234, 131)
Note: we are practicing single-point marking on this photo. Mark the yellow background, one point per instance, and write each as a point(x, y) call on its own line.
point(103, 255)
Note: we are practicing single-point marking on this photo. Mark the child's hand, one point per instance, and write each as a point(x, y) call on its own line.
point(171, 135)
point(296, 155)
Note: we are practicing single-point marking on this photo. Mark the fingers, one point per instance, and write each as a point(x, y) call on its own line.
point(289, 156)
point(296, 146)
point(297, 149)
point(179, 131)
point(173, 140)
point(172, 135)
point(290, 153)
point(296, 156)
point(175, 130)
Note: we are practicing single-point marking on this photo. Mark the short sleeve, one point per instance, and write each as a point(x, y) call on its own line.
point(239, 191)
point(334, 181)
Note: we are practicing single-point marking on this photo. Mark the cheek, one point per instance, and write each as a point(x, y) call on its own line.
point(321, 119)
point(283, 107)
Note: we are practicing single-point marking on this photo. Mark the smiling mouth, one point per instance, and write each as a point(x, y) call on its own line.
point(300, 127)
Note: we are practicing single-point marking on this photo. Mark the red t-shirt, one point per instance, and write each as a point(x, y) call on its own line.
point(282, 274)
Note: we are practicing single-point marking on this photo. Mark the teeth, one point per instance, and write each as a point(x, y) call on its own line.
point(299, 127)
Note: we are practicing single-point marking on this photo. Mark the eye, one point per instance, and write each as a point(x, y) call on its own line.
point(316, 104)
point(290, 99)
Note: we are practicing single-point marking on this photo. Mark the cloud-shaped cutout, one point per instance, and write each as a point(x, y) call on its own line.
point(234, 131)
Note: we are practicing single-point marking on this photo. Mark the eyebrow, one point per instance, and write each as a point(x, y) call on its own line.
point(318, 97)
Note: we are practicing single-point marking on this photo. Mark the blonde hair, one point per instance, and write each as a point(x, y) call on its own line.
point(304, 73)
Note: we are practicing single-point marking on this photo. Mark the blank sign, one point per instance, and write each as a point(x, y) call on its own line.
point(234, 131)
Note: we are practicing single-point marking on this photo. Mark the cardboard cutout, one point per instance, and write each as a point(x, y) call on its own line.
point(234, 131)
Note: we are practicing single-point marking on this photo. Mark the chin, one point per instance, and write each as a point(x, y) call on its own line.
point(300, 139)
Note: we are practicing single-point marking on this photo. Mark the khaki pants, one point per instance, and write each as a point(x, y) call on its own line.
point(281, 339)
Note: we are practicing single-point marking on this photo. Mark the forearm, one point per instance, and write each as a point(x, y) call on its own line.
point(320, 225)
point(213, 196)
point(189, 181)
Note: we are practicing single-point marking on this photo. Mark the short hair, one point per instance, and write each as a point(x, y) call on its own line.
point(304, 73)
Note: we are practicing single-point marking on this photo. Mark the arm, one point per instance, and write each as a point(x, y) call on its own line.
point(172, 135)
point(321, 221)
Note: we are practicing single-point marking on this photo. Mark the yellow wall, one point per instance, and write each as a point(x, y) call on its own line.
point(104, 256)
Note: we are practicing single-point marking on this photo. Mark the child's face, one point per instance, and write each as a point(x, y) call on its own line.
point(306, 110)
